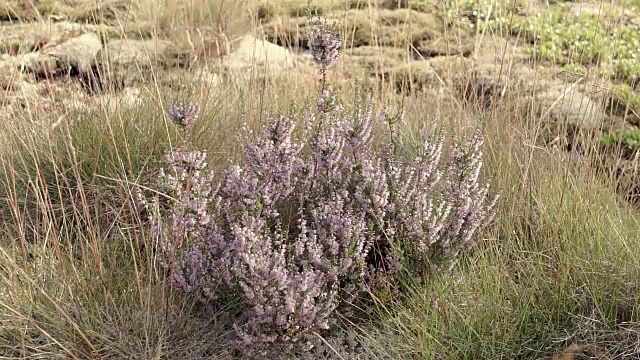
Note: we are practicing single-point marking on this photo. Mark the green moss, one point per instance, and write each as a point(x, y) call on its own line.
point(584, 39)
point(575, 69)
point(421, 5)
point(628, 140)
point(625, 102)
point(483, 14)
point(558, 35)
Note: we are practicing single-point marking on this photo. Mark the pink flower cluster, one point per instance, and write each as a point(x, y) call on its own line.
point(293, 229)
point(309, 221)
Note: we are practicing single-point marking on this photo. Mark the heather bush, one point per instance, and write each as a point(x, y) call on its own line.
point(314, 218)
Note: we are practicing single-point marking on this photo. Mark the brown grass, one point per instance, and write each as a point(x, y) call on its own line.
point(77, 273)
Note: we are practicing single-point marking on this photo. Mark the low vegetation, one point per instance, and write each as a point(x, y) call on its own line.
point(437, 180)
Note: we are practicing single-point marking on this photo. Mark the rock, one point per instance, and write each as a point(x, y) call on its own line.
point(28, 66)
point(569, 106)
point(10, 76)
point(38, 64)
point(78, 53)
point(127, 53)
point(124, 63)
point(19, 67)
point(428, 74)
point(490, 80)
point(250, 52)
point(23, 38)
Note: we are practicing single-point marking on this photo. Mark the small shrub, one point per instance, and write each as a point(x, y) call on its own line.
point(628, 140)
point(421, 5)
point(626, 102)
point(316, 217)
point(575, 69)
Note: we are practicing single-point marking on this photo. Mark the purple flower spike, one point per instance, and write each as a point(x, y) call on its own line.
point(325, 45)
point(183, 115)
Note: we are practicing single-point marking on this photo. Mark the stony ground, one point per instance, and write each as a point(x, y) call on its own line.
point(58, 56)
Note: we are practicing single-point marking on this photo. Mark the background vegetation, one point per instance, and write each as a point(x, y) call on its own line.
point(553, 85)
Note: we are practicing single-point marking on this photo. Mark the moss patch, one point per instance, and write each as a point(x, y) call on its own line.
point(584, 39)
point(627, 140)
point(626, 102)
point(481, 14)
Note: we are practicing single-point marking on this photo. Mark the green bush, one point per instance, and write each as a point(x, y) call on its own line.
point(628, 140)
point(625, 102)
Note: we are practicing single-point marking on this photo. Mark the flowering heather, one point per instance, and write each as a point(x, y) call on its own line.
point(309, 222)
point(293, 230)
point(183, 115)
point(325, 47)
point(324, 44)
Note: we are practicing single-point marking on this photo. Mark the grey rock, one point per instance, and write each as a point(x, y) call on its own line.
point(251, 52)
point(565, 104)
point(127, 62)
point(79, 53)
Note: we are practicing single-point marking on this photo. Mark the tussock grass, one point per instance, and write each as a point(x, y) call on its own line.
point(77, 276)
